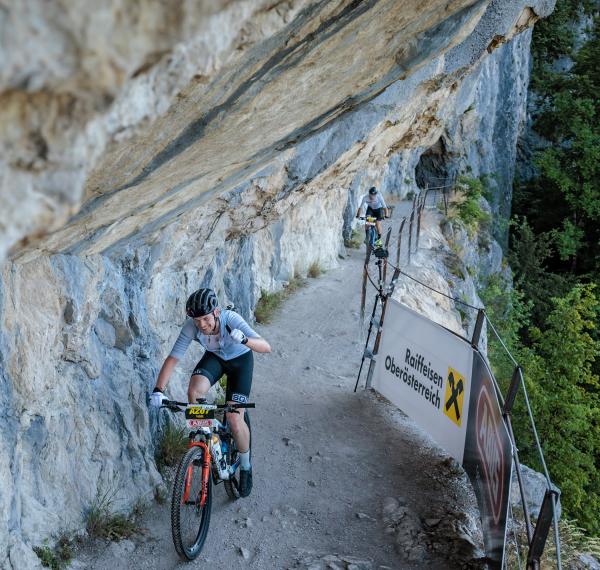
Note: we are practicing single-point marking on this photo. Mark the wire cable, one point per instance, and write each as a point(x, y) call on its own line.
point(516, 538)
point(435, 290)
point(369, 277)
point(501, 341)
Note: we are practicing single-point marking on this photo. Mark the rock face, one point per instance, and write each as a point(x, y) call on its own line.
point(218, 143)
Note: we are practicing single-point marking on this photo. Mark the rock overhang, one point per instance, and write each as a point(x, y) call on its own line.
point(328, 61)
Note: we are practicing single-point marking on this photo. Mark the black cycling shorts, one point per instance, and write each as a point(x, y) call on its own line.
point(239, 374)
point(375, 212)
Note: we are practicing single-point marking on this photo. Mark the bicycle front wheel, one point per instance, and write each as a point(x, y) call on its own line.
point(189, 518)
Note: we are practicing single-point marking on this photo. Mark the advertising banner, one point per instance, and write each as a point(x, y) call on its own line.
point(488, 459)
point(425, 370)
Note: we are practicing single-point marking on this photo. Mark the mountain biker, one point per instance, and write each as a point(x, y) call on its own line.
point(228, 342)
point(375, 206)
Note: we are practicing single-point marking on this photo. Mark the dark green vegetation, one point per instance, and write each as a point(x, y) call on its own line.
point(467, 206)
point(562, 204)
point(57, 557)
point(549, 317)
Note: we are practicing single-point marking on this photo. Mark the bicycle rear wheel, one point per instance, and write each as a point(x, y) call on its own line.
point(190, 520)
point(370, 238)
point(232, 485)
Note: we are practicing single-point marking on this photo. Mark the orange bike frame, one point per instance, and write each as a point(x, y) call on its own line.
point(205, 473)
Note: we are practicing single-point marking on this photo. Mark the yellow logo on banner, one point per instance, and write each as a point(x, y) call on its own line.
point(455, 394)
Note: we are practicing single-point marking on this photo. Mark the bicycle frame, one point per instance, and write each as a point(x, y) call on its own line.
point(370, 223)
point(206, 459)
point(205, 432)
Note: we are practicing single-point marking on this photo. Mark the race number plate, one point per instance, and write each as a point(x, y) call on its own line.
point(199, 413)
point(192, 423)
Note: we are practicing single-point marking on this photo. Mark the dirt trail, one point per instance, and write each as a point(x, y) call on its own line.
point(341, 480)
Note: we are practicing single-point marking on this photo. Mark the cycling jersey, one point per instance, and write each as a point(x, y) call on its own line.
point(373, 201)
point(221, 344)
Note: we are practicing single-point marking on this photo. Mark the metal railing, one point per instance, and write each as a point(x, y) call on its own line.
point(537, 535)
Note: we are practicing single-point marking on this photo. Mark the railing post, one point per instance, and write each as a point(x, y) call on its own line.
point(410, 227)
point(478, 328)
point(420, 207)
point(512, 390)
point(445, 202)
point(528, 527)
point(542, 528)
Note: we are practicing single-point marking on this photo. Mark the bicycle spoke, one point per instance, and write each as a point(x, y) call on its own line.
point(190, 509)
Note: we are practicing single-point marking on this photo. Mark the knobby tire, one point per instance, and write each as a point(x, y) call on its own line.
point(189, 542)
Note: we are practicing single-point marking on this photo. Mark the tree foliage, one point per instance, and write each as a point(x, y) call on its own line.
point(549, 316)
point(563, 202)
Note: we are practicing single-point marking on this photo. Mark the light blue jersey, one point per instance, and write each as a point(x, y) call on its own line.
point(374, 201)
point(222, 344)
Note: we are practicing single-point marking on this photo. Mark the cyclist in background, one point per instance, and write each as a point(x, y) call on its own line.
point(375, 206)
point(228, 342)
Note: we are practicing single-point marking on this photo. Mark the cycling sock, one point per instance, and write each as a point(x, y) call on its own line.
point(245, 460)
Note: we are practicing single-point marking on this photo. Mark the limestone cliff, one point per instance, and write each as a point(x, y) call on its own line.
point(148, 151)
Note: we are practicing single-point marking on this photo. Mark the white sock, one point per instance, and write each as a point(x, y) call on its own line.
point(245, 460)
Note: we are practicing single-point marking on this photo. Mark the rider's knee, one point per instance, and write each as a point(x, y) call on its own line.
point(234, 421)
point(198, 387)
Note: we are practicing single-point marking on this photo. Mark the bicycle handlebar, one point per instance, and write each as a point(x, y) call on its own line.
point(174, 405)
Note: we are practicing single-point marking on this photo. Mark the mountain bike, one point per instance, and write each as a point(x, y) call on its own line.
point(370, 231)
point(212, 458)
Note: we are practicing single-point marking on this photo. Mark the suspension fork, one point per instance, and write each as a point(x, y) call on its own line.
point(205, 474)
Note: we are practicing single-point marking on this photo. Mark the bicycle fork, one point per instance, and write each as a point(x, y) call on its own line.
point(205, 475)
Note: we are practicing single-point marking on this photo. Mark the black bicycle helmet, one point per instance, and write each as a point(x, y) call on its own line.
point(372, 190)
point(200, 303)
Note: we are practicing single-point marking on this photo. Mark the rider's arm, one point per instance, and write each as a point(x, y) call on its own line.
point(165, 372)
point(258, 345)
point(177, 352)
point(255, 342)
point(382, 202)
point(187, 334)
point(361, 207)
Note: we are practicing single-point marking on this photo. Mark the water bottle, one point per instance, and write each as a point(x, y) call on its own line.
point(219, 458)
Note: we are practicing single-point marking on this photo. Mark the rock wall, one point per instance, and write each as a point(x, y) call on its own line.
point(222, 145)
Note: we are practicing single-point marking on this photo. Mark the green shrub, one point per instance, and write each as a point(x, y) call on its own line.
point(573, 541)
point(172, 445)
point(468, 208)
point(57, 557)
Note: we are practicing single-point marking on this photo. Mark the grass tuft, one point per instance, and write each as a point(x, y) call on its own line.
point(269, 303)
point(314, 270)
point(173, 444)
point(355, 241)
point(104, 521)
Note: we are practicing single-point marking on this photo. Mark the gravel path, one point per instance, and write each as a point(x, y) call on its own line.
point(341, 480)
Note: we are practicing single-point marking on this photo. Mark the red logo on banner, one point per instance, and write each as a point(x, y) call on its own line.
point(490, 451)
